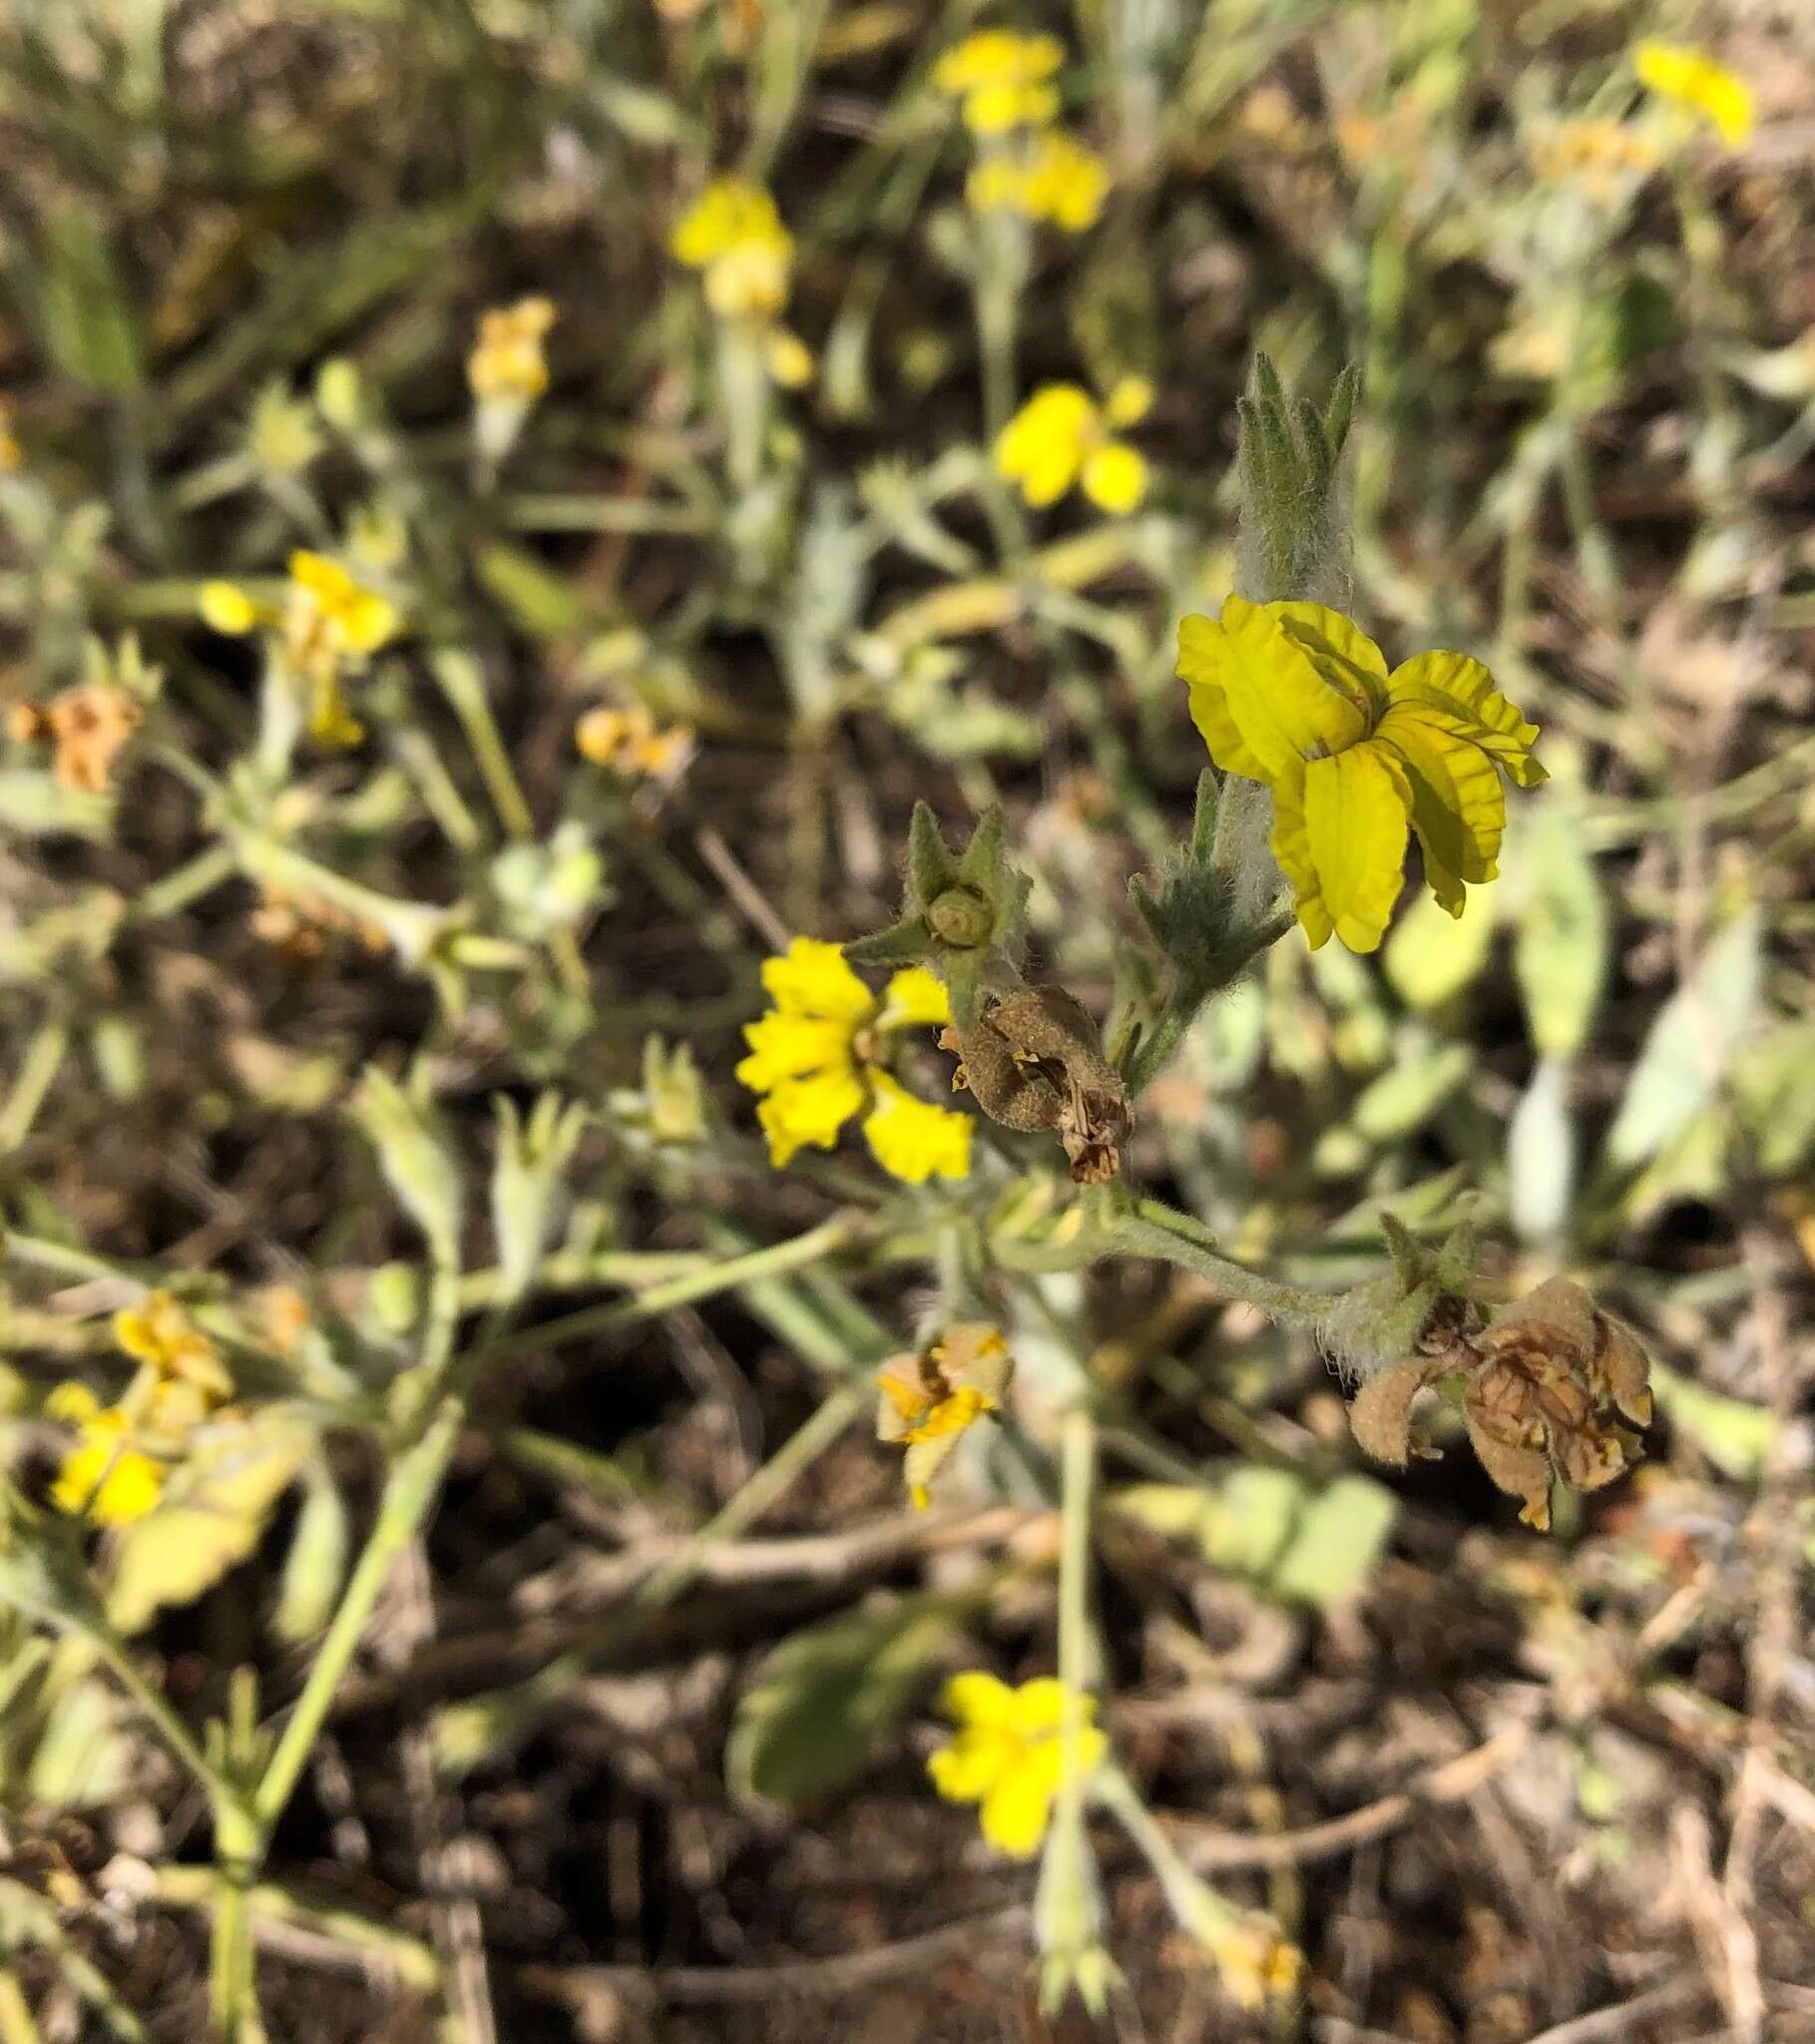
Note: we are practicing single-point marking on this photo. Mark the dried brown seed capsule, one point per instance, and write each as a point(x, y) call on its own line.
point(1034, 1061)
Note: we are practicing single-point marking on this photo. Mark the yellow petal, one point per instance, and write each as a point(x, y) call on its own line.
point(978, 1698)
point(1015, 1813)
point(1247, 673)
point(1115, 477)
point(912, 1140)
point(914, 995)
point(223, 608)
point(1693, 80)
point(1454, 682)
point(812, 978)
point(1457, 802)
point(1040, 1705)
point(1356, 811)
point(1129, 401)
point(1339, 648)
point(804, 1112)
point(73, 1402)
point(1292, 848)
point(969, 1765)
point(784, 1045)
point(1043, 446)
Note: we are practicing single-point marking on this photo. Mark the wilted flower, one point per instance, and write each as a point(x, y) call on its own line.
point(330, 625)
point(1062, 436)
point(88, 726)
point(928, 1400)
point(1054, 177)
point(12, 455)
point(1009, 1754)
point(1256, 1963)
point(1298, 697)
point(816, 1059)
point(1541, 1388)
point(628, 743)
point(732, 235)
point(1599, 157)
point(1003, 79)
point(158, 1333)
point(1690, 80)
point(1033, 1060)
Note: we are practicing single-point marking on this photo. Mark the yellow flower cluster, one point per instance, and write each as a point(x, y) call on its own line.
point(1002, 80)
point(1690, 80)
point(1009, 1756)
point(507, 364)
point(1063, 436)
point(1004, 85)
point(1298, 697)
point(116, 1471)
point(331, 626)
point(930, 1399)
point(816, 1058)
point(733, 235)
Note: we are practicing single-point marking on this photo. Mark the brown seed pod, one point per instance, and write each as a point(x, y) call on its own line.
point(1034, 1061)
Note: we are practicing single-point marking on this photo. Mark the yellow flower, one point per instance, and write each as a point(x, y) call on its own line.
point(1060, 436)
point(928, 1400)
point(629, 744)
point(330, 624)
point(1057, 179)
point(1692, 79)
point(1256, 1963)
point(507, 363)
point(104, 1477)
point(790, 360)
point(1009, 1754)
point(1003, 79)
point(733, 234)
point(1296, 696)
point(815, 1057)
point(159, 1333)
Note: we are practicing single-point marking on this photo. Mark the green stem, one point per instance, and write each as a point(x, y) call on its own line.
point(463, 683)
point(1077, 1657)
point(769, 1262)
point(37, 1070)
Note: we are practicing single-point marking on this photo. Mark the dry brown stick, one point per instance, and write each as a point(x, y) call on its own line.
point(843, 1973)
point(1616, 2022)
point(1209, 1849)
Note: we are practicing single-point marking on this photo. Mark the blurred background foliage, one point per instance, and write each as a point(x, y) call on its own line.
point(245, 251)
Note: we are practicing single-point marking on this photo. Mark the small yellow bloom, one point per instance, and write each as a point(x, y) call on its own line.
point(1054, 179)
point(330, 625)
point(1298, 697)
point(158, 1331)
point(1691, 78)
point(1062, 436)
point(790, 358)
point(734, 236)
point(816, 1059)
point(1009, 1754)
point(507, 364)
point(103, 1477)
point(1003, 79)
point(628, 743)
point(928, 1400)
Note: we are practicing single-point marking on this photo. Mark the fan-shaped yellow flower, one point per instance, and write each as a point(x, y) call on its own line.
point(1296, 696)
point(1003, 79)
point(733, 235)
point(105, 1476)
point(1691, 78)
point(1054, 179)
point(330, 624)
point(815, 1057)
point(1062, 436)
point(1009, 1754)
